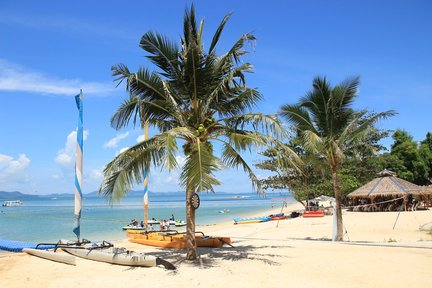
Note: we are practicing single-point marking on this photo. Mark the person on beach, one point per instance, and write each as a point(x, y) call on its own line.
point(161, 225)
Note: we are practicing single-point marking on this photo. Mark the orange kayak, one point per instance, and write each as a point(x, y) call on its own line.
point(174, 241)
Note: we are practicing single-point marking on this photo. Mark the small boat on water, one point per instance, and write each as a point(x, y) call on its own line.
point(174, 239)
point(179, 223)
point(250, 220)
point(12, 203)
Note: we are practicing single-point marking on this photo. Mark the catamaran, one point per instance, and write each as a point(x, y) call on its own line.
point(105, 251)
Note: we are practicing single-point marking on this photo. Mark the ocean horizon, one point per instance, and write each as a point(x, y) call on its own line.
point(48, 218)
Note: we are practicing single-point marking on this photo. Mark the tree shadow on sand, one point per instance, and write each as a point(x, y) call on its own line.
point(212, 257)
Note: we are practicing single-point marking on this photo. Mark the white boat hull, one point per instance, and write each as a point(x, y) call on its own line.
point(114, 256)
point(50, 255)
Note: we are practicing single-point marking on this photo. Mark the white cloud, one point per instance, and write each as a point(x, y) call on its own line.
point(180, 161)
point(96, 174)
point(17, 78)
point(56, 176)
point(140, 138)
point(121, 150)
point(66, 156)
point(13, 170)
point(65, 25)
point(112, 143)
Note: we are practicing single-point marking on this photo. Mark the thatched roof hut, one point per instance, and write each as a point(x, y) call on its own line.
point(387, 184)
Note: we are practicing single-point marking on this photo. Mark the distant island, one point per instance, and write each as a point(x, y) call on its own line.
point(15, 195)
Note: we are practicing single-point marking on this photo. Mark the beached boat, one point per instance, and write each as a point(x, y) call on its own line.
point(113, 255)
point(12, 203)
point(312, 214)
point(175, 240)
point(279, 216)
point(51, 255)
point(250, 220)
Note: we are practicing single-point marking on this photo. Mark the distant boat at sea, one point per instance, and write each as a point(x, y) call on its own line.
point(240, 197)
point(12, 203)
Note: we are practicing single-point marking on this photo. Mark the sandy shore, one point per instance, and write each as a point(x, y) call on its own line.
point(288, 253)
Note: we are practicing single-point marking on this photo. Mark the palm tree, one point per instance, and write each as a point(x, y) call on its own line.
point(195, 98)
point(328, 126)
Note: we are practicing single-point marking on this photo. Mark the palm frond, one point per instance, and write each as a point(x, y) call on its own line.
point(269, 124)
point(124, 113)
point(199, 167)
point(231, 158)
point(127, 168)
point(218, 33)
point(298, 116)
point(163, 53)
point(312, 141)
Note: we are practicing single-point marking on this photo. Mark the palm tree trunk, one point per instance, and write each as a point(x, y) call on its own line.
point(338, 197)
point(191, 246)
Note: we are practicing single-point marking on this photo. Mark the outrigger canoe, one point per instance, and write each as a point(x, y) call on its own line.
point(51, 255)
point(174, 240)
point(105, 252)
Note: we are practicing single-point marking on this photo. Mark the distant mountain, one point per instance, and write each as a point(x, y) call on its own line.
point(15, 195)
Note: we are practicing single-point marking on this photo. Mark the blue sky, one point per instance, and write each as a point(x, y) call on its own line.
point(51, 49)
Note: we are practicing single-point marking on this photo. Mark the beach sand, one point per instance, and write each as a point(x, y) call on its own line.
point(287, 253)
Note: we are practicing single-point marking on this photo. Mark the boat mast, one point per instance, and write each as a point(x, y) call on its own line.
point(146, 178)
point(78, 166)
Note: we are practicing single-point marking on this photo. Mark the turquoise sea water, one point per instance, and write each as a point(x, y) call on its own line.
point(49, 219)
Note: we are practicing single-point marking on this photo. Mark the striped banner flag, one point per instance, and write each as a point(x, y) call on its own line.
point(78, 166)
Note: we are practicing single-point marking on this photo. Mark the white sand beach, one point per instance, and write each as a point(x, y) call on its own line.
point(287, 253)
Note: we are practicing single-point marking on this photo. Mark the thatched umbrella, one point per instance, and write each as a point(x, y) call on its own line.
point(387, 185)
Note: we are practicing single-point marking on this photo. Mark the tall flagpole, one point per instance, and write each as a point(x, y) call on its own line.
point(78, 167)
point(146, 179)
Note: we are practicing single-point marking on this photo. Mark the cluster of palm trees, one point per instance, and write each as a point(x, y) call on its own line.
point(196, 98)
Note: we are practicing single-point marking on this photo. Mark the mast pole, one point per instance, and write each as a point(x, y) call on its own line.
point(146, 179)
point(78, 167)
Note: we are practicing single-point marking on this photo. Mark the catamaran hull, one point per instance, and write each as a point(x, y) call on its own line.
point(114, 256)
point(50, 255)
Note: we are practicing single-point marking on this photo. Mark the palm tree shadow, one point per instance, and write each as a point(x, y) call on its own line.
point(211, 257)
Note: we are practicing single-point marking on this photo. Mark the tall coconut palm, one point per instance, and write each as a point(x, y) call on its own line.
point(194, 98)
point(328, 126)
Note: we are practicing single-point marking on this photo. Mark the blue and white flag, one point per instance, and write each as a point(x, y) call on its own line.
point(78, 166)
